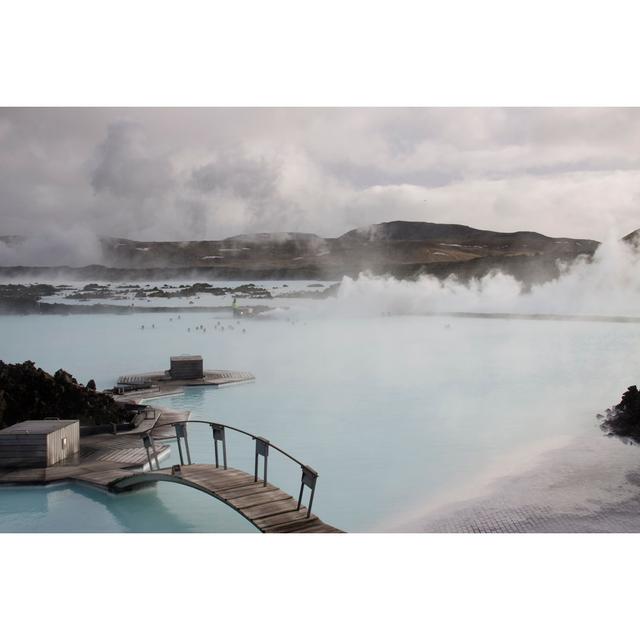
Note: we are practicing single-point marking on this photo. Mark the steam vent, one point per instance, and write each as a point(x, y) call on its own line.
point(186, 367)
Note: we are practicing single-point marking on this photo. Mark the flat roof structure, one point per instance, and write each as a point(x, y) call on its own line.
point(39, 443)
point(186, 367)
point(40, 427)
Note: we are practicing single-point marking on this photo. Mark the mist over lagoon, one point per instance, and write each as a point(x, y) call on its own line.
point(397, 409)
point(421, 302)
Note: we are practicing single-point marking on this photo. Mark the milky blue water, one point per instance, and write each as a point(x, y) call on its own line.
point(392, 411)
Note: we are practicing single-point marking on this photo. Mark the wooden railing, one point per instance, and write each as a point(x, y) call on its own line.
point(262, 449)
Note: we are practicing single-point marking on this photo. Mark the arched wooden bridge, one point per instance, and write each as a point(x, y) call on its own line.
point(267, 507)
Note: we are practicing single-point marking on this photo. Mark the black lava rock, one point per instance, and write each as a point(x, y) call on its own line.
point(29, 393)
point(623, 420)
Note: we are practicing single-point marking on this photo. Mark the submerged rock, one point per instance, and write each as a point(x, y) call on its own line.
point(623, 420)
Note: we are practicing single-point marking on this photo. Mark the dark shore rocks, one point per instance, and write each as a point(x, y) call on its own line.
point(18, 306)
point(26, 291)
point(188, 291)
point(97, 292)
point(30, 393)
point(18, 299)
point(623, 420)
point(23, 298)
point(320, 292)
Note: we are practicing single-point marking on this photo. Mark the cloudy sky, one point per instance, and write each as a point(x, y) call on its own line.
point(209, 173)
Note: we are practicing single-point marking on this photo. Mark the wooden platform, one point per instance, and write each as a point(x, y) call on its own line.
point(97, 453)
point(121, 451)
point(164, 385)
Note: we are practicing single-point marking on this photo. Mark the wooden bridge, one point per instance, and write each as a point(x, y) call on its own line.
point(120, 461)
point(267, 507)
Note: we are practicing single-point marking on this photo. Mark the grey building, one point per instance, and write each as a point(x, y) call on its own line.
point(38, 443)
point(186, 367)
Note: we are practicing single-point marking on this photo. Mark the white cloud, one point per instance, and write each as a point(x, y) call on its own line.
point(193, 173)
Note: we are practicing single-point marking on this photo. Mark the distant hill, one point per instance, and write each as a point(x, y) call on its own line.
point(399, 248)
point(444, 234)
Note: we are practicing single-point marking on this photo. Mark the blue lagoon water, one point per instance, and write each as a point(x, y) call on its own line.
point(393, 412)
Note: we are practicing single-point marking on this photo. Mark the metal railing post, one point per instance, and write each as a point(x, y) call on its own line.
point(147, 443)
point(219, 435)
point(309, 479)
point(179, 429)
point(155, 453)
point(262, 449)
point(186, 443)
point(313, 492)
point(266, 460)
point(224, 449)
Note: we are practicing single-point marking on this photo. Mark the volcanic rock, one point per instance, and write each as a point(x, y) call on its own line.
point(29, 393)
point(623, 420)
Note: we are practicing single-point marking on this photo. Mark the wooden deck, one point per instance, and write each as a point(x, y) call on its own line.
point(148, 419)
point(120, 462)
point(164, 385)
point(97, 453)
point(106, 451)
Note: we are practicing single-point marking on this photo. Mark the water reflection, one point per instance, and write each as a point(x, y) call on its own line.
point(74, 508)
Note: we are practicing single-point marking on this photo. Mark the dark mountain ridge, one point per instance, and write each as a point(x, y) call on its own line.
point(399, 248)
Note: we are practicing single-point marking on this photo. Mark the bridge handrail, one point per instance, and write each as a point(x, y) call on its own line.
point(309, 475)
point(226, 426)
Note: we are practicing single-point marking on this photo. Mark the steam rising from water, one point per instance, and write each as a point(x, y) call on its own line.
point(608, 284)
point(74, 247)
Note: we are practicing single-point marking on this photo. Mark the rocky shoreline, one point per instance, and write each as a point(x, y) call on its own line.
point(28, 392)
point(26, 299)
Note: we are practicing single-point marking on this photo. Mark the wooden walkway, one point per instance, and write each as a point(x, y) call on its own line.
point(268, 508)
point(145, 421)
point(120, 462)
